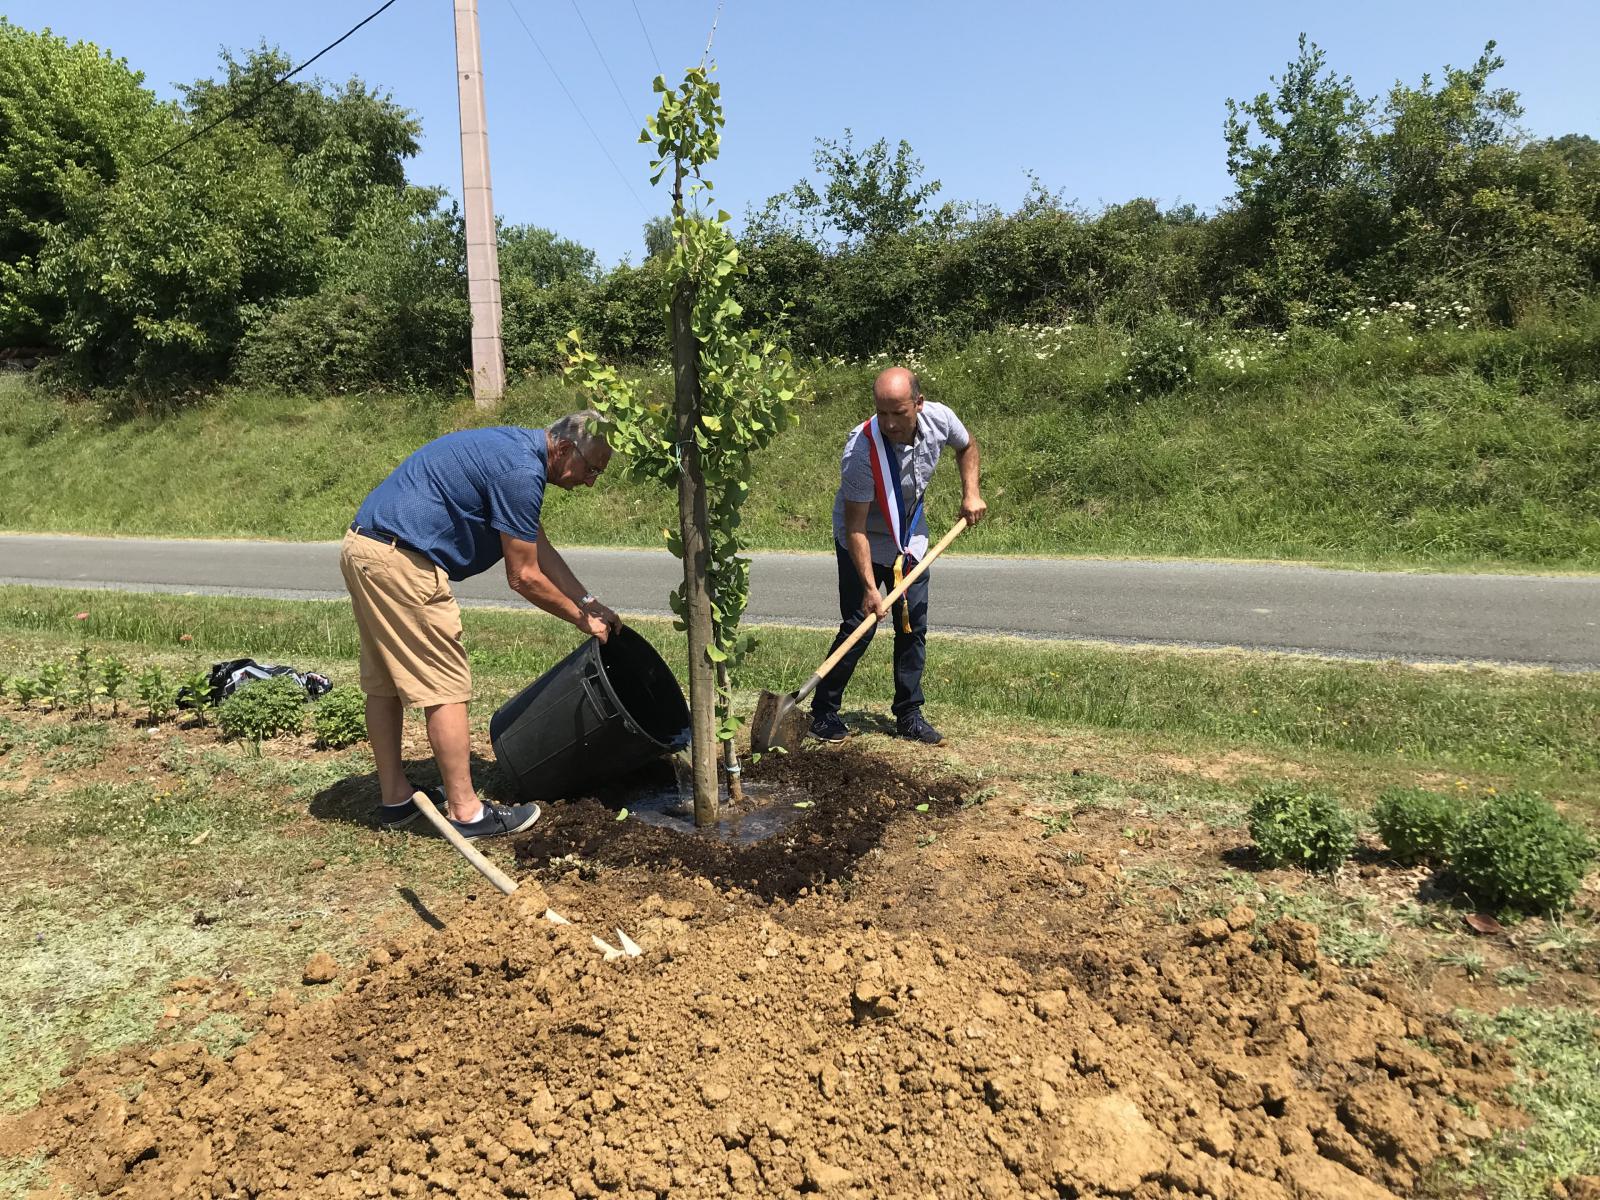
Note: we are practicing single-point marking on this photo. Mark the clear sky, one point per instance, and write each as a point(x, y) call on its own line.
point(1104, 101)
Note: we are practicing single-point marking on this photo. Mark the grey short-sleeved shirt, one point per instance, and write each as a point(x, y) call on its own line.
point(937, 427)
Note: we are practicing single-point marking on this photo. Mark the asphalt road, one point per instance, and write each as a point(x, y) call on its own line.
point(1541, 620)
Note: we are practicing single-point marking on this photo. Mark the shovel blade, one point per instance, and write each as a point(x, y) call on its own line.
point(778, 723)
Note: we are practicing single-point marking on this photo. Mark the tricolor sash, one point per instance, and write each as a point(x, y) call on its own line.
point(891, 505)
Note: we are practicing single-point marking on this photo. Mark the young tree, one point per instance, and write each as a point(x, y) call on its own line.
point(732, 391)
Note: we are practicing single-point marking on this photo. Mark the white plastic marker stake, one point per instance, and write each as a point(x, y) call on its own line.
point(629, 946)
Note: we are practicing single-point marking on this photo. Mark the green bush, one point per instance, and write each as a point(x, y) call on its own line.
point(264, 709)
point(1417, 825)
point(24, 689)
point(1162, 356)
point(1296, 827)
point(340, 718)
point(156, 694)
point(1515, 852)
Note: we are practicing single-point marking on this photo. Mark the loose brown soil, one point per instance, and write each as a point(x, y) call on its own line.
point(877, 1002)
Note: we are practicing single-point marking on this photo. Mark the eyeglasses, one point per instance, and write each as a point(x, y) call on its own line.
point(590, 470)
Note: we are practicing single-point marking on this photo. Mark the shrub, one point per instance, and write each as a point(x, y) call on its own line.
point(1515, 852)
point(1162, 356)
point(1417, 825)
point(156, 694)
point(1295, 827)
point(194, 692)
point(53, 684)
point(340, 718)
point(264, 709)
point(24, 689)
point(113, 674)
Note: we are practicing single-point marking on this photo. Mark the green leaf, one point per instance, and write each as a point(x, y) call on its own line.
point(922, 808)
point(622, 814)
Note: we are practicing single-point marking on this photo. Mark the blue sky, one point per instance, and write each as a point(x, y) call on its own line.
point(1105, 102)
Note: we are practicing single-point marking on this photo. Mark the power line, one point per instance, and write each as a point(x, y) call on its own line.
point(617, 87)
point(576, 107)
point(646, 32)
point(262, 91)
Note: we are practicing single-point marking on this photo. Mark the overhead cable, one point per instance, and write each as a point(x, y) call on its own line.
point(617, 87)
point(576, 107)
point(261, 92)
point(645, 30)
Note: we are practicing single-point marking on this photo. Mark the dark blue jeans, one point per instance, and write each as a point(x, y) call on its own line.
point(910, 649)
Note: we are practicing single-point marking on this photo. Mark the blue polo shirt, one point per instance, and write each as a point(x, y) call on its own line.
point(453, 498)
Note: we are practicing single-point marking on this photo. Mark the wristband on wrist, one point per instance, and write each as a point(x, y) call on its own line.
point(588, 598)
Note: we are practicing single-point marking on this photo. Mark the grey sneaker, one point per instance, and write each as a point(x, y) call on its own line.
point(827, 727)
point(912, 726)
point(498, 820)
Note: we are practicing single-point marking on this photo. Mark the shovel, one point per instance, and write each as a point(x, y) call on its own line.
point(778, 722)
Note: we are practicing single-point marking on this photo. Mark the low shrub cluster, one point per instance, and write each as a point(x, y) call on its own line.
point(265, 709)
point(1295, 826)
point(1417, 825)
point(257, 711)
point(1513, 852)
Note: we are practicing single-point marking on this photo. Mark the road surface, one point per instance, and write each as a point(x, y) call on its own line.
point(1538, 620)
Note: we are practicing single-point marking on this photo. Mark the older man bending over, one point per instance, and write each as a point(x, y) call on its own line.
point(450, 511)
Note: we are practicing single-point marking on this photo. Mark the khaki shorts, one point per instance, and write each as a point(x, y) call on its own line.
point(410, 624)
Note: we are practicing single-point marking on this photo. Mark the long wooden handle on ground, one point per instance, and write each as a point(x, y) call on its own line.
point(872, 619)
point(469, 852)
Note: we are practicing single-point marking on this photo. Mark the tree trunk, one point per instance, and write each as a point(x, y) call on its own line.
point(693, 528)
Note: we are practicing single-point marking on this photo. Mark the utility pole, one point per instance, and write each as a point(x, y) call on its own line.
point(477, 200)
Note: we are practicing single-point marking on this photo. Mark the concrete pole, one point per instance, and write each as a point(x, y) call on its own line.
point(477, 201)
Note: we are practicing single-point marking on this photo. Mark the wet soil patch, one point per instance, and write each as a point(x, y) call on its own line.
point(853, 798)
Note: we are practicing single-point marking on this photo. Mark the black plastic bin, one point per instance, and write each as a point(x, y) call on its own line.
point(601, 712)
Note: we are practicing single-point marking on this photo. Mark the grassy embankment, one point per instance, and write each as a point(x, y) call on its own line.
point(1392, 446)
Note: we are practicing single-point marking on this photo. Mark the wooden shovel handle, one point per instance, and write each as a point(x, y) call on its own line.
point(872, 619)
point(484, 867)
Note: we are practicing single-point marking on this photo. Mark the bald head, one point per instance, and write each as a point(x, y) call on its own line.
point(897, 396)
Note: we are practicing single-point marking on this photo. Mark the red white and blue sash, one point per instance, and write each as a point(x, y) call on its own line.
point(891, 503)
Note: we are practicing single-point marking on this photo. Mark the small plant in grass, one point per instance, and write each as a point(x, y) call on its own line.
point(263, 710)
point(25, 690)
point(194, 692)
point(113, 674)
point(88, 687)
point(1470, 962)
point(1516, 853)
point(1516, 976)
point(52, 684)
point(156, 694)
point(1297, 827)
point(340, 718)
point(1417, 825)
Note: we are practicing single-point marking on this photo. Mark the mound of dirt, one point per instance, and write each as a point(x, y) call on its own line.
point(503, 1057)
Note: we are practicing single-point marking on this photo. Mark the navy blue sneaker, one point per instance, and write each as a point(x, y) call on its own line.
point(498, 820)
point(912, 726)
point(827, 727)
point(398, 816)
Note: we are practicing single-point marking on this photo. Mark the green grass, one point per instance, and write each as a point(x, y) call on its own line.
point(1474, 448)
point(1473, 718)
point(1558, 1067)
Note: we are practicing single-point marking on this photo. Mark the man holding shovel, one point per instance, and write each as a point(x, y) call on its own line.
point(880, 534)
point(453, 509)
